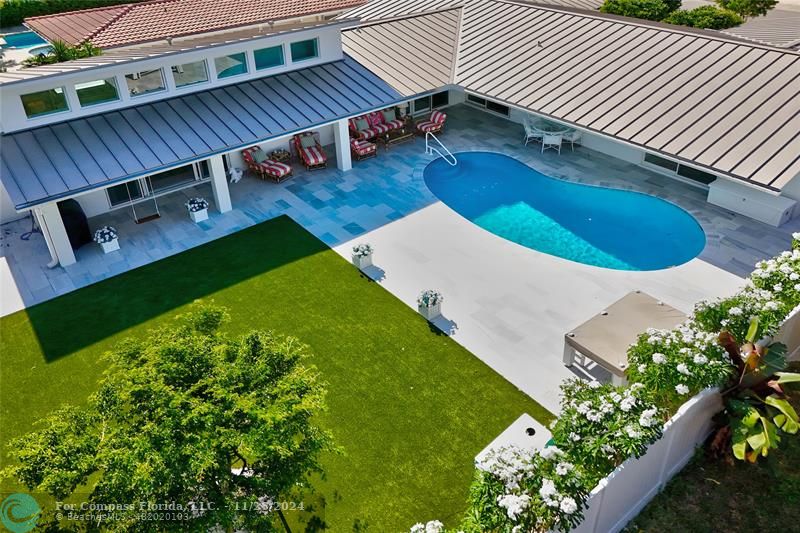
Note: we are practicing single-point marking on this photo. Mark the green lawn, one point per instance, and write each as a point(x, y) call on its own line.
point(410, 407)
point(710, 495)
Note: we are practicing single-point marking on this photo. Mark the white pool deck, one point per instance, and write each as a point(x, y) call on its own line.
point(511, 305)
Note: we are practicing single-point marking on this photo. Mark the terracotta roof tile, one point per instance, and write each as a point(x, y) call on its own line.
point(127, 24)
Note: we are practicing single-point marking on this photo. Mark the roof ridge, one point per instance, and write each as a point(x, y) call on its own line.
point(87, 10)
point(374, 22)
point(128, 9)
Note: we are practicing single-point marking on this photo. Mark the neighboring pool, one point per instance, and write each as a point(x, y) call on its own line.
point(22, 40)
point(598, 226)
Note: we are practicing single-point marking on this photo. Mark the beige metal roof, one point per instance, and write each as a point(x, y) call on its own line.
point(383, 9)
point(414, 54)
point(728, 105)
point(779, 27)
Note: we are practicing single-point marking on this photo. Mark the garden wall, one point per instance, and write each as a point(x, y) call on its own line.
point(620, 496)
point(789, 334)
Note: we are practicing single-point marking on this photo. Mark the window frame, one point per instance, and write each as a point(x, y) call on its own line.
point(314, 40)
point(283, 57)
point(163, 88)
point(66, 109)
point(194, 83)
point(245, 62)
point(112, 79)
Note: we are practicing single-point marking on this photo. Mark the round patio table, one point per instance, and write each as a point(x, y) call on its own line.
point(550, 128)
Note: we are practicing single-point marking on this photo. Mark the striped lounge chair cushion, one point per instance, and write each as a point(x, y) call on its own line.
point(274, 168)
point(381, 128)
point(362, 147)
point(427, 126)
point(367, 134)
point(395, 124)
point(438, 117)
point(313, 156)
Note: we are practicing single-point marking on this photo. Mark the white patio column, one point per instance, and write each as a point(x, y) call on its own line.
point(219, 184)
point(53, 228)
point(342, 137)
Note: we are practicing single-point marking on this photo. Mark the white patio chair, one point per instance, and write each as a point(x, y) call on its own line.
point(553, 141)
point(531, 133)
point(572, 137)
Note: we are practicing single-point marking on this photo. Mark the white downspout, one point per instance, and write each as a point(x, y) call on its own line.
point(47, 238)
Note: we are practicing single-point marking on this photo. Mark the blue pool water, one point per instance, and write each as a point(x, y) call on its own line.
point(598, 226)
point(22, 40)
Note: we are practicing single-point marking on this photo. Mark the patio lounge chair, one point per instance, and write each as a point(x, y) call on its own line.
point(362, 149)
point(384, 121)
point(265, 168)
point(310, 151)
point(361, 129)
point(435, 124)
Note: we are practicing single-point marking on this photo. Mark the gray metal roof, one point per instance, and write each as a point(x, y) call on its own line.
point(727, 105)
point(414, 55)
point(63, 159)
point(384, 9)
point(779, 27)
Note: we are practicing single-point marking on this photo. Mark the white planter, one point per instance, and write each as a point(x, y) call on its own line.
point(199, 216)
point(430, 312)
point(619, 497)
point(110, 246)
point(362, 261)
point(789, 334)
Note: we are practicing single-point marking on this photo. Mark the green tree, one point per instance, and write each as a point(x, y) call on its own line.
point(748, 8)
point(709, 17)
point(642, 9)
point(187, 415)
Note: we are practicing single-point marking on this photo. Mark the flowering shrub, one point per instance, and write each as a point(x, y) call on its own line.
point(433, 526)
point(362, 250)
point(518, 490)
point(105, 234)
point(602, 425)
point(773, 290)
point(429, 298)
point(676, 364)
point(196, 204)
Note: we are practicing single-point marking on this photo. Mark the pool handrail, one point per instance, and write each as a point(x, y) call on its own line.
point(430, 150)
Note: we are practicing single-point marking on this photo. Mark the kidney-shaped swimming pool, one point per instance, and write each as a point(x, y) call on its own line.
point(598, 226)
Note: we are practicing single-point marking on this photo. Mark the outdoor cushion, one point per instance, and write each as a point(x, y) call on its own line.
point(388, 115)
point(362, 124)
point(438, 117)
point(427, 126)
point(258, 155)
point(276, 169)
point(307, 141)
point(380, 129)
point(396, 124)
point(375, 119)
point(313, 155)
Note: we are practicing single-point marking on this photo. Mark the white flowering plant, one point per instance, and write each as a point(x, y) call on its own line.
point(676, 364)
point(432, 526)
point(602, 425)
point(520, 490)
point(105, 234)
point(196, 204)
point(429, 298)
point(772, 291)
point(362, 250)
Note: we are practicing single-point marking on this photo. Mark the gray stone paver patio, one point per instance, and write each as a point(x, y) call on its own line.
point(338, 207)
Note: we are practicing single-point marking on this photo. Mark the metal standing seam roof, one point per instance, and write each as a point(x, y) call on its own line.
point(74, 156)
point(384, 9)
point(730, 106)
point(154, 20)
point(779, 27)
point(430, 40)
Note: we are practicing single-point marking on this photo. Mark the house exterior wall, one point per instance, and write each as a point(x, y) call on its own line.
point(13, 114)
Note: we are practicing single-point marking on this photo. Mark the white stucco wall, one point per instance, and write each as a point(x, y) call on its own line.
point(7, 211)
point(14, 118)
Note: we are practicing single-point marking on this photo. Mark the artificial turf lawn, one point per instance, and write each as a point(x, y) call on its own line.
point(410, 407)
